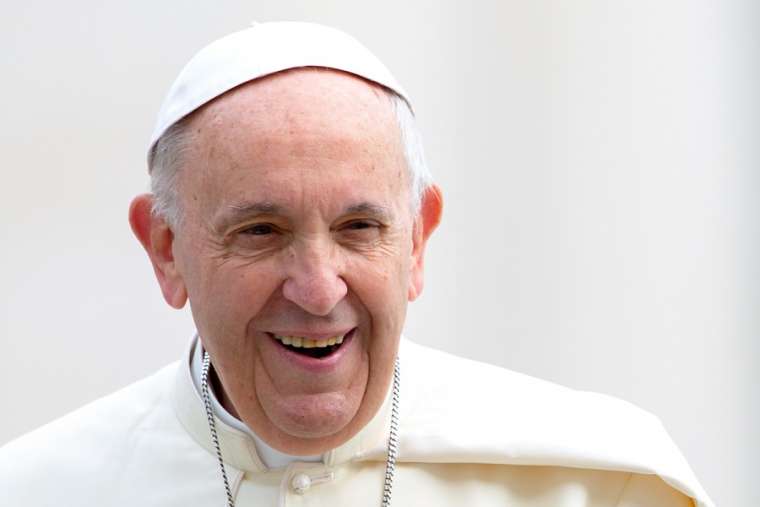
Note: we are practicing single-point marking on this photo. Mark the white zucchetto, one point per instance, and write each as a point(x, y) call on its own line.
point(261, 50)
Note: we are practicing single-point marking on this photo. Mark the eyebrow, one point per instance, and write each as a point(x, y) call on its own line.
point(236, 212)
point(380, 212)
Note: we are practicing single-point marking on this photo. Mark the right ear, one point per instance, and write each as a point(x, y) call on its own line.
point(157, 238)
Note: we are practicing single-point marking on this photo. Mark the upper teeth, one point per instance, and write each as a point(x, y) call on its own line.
point(308, 343)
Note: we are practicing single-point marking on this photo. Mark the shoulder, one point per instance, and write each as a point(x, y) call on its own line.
point(459, 410)
point(95, 450)
point(123, 408)
point(438, 376)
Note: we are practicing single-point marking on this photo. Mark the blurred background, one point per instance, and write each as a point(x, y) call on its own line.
point(598, 159)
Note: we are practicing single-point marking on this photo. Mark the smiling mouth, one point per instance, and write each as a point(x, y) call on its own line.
point(318, 349)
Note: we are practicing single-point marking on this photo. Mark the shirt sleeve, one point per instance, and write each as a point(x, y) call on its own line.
point(651, 491)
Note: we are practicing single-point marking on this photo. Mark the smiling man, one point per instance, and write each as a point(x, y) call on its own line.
point(298, 244)
point(291, 207)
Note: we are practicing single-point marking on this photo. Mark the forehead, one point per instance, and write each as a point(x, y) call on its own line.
point(305, 93)
point(295, 128)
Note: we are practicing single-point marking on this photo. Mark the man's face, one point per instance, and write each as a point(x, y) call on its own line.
point(297, 224)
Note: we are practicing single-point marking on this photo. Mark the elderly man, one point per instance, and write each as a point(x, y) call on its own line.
point(291, 207)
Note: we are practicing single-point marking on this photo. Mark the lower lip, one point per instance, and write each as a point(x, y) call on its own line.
point(316, 364)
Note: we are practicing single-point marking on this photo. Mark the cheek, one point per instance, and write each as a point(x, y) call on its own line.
point(230, 294)
point(382, 288)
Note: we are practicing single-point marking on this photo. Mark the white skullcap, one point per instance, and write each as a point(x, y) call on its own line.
point(263, 49)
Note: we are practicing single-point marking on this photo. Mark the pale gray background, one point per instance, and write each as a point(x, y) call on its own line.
point(597, 158)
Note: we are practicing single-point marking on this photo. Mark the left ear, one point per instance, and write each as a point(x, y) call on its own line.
point(427, 219)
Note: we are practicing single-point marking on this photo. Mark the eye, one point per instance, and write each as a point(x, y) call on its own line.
point(360, 230)
point(256, 238)
point(359, 225)
point(258, 230)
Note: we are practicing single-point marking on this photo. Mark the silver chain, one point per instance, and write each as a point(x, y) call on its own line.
point(212, 426)
point(390, 462)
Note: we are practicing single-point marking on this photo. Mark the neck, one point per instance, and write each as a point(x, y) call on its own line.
point(221, 395)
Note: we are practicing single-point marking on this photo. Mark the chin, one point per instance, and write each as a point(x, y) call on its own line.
point(314, 416)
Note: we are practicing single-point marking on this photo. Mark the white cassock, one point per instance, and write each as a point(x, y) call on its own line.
point(471, 434)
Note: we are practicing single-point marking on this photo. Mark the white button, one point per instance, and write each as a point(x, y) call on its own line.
point(300, 483)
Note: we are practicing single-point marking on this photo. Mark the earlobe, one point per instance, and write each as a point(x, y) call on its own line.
point(157, 238)
point(427, 220)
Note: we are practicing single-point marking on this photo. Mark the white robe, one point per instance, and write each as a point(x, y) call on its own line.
point(471, 434)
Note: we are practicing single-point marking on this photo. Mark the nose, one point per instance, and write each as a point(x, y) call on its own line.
point(313, 281)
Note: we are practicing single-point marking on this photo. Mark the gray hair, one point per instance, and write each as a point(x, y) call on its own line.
point(167, 155)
